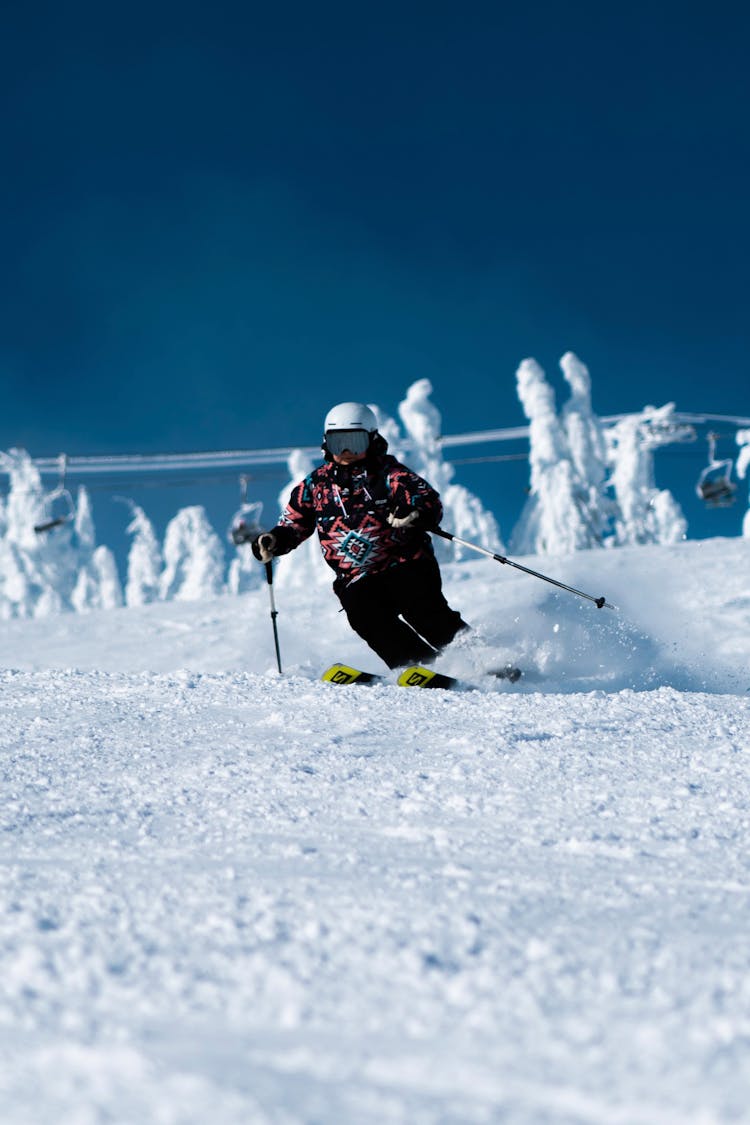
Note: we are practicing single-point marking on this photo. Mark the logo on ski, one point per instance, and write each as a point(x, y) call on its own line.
point(414, 679)
point(420, 677)
point(343, 674)
point(341, 677)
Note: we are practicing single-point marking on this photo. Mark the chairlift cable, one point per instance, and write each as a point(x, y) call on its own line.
point(226, 459)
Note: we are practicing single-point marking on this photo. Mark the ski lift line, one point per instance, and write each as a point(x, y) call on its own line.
point(489, 460)
point(229, 459)
point(270, 474)
point(234, 459)
point(277, 474)
point(182, 482)
point(702, 419)
point(243, 458)
point(171, 462)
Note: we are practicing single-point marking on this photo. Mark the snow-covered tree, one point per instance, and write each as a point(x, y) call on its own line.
point(645, 514)
point(588, 447)
point(464, 513)
point(37, 570)
point(306, 564)
point(556, 517)
point(591, 487)
point(389, 428)
point(144, 559)
point(743, 465)
point(83, 523)
point(49, 561)
point(193, 558)
point(97, 583)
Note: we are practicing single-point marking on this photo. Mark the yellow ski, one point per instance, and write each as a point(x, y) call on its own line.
point(343, 674)
point(417, 676)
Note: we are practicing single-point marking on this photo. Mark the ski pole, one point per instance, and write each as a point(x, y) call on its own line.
point(600, 603)
point(274, 612)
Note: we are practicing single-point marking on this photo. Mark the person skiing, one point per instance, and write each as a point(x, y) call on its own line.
point(372, 515)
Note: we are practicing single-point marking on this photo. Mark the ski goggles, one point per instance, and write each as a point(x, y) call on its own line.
point(356, 441)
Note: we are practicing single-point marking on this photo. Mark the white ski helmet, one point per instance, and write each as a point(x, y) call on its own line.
point(350, 416)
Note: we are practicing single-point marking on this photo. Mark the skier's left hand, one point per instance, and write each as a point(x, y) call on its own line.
point(264, 547)
point(403, 515)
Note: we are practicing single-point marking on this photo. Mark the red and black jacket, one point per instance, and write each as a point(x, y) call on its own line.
point(349, 504)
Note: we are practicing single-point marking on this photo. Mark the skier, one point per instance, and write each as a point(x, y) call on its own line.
point(372, 515)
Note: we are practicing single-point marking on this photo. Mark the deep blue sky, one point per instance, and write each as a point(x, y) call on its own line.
point(217, 220)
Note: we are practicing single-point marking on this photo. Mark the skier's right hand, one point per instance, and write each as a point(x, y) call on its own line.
point(264, 546)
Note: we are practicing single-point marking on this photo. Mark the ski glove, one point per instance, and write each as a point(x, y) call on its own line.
point(402, 515)
point(264, 547)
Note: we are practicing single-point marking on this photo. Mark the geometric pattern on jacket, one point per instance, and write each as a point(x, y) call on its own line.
point(348, 505)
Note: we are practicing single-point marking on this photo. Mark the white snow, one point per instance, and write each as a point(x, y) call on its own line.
point(238, 897)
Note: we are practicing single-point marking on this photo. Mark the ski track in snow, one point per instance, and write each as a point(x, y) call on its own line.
point(235, 897)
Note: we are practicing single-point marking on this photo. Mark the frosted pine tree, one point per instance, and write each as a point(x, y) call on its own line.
point(588, 447)
point(306, 564)
point(144, 559)
point(193, 558)
point(743, 467)
point(464, 513)
point(555, 519)
point(97, 584)
point(37, 571)
point(23, 585)
point(389, 428)
point(646, 514)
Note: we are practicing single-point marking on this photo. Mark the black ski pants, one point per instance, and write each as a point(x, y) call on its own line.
point(401, 613)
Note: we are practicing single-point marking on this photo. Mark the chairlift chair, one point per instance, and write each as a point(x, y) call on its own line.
point(246, 521)
point(715, 486)
point(59, 505)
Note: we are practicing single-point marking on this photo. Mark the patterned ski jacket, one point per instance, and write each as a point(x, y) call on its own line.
point(348, 505)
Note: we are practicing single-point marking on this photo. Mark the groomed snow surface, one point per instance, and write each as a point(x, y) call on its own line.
point(234, 897)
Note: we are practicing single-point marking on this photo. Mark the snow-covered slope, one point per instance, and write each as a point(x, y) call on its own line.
point(682, 620)
point(230, 896)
